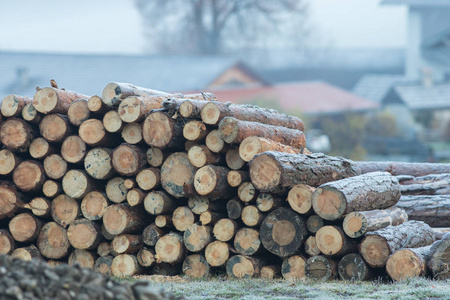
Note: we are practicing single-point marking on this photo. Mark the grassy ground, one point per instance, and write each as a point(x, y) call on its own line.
point(280, 289)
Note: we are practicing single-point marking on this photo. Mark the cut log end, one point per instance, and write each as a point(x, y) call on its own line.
point(170, 248)
point(112, 121)
point(210, 114)
point(320, 268)
point(92, 132)
point(353, 267)
point(83, 234)
point(182, 218)
point(265, 172)
point(64, 210)
point(78, 112)
point(225, 229)
point(329, 203)
point(177, 175)
point(196, 266)
point(8, 162)
point(217, 253)
point(375, 250)
point(98, 163)
point(293, 268)
point(12, 105)
point(247, 241)
point(125, 265)
point(73, 149)
point(300, 198)
point(53, 242)
point(29, 176)
point(93, 205)
point(240, 266)
point(405, 264)
point(7, 244)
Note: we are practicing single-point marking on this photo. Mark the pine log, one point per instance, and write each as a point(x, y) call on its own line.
point(27, 253)
point(199, 204)
point(116, 190)
point(215, 143)
point(125, 265)
point(433, 184)
point(233, 159)
point(146, 257)
point(200, 156)
point(12, 105)
point(225, 229)
point(369, 191)
point(270, 272)
point(135, 197)
point(377, 246)
point(11, 200)
point(252, 216)
point(98, 163)
point(195, 131)
point(51, 188)
point(120, 218)
point(232, 130)
point(195, 266)
point(213, 112)
point(40, 148)
point(282, 232)
point(134, 109)
point(332, 241)
point(128, 160)
point(132, 133)
point(7, 244)
point(236, 177)
point(161, 131)
point(432, 209)
point(170, 248)
point(177, 175)
point(29, 176)
point(31, 115)
point(126, 244)
point(352, 267)
point(83, 258)
point(16, 135)
point(300, 198)
point(94, 205)
point(188, 108)
point(314, 223)
point(55, 128)
point(77, 184)
point(151, 234)
point(93, 133)
point(84, 234)
point(8, 162)
point(247, 192)
point(78, 112)
point(103, 265)
point(275, 171)
point(408, 263)
point(234, 209)
point(114, 92)
point(129, 183)
point(25, 228)
point(311, 246)
point(155, 157)
point(158, 202)
point(357, 224)
point(403, 168)
point(210, 218)
point(53, 242)
point(40, 207)
point(164, 221)
point(247, 241)
point(104, 249)
point(55, 166)
point(96, 105)
point(64, 210)
point(293, 268)
point(73, 149)
point(182, 218)
point(112, 122)
point(217, 253)
point(268, 202)
point(240, 266)
point(439, 263)
point(320, 268)
point(53, 100)
point(212, 181)
point(253, 145)
point(197, 237)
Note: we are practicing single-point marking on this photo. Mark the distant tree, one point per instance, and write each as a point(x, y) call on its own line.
point(218, 26)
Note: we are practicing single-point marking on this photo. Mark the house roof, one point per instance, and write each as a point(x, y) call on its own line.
point(422, 97)
point(306, 97)
point(418, 2)
point(376, 87)
point(88, 74)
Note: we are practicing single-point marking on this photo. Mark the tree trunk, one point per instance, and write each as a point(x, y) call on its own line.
point(253, 145)
point(12, 105)
point(25, 228)
point(126, 244)
point(332, 241)
point(29, 176)
point(73, 149)
point(212, 181)
point(7, 244)
point(283, 232)
point(112, 122)
point(77, 184)
point(120, 218)
point(135, 197)
point(311, 246)
point(53, 242)
point(55, 166)
point(125, 265)
point(40, 207)
point(170, 248)
point(432, 209)
point(214, 112)
point(215, 143)
point(128, 160)
point(251, 216)
point(27, 253)
point(320, 268)
point(8, 162)
point(152, 234)
point(240, 266)
point(93, 133)
point(233, 159)
point(55, 128)
point(225, 229)
point(132, 133)
point(156, 157)
point(96, 105)
point(357, 224)
point(369, 191)
point(53, 100)
point(16, 135)
point(78, 112)
point(275, 171)
point(232, 130)
point(158, 203)
point(433, 184)
point(200, 156)
point(234, 209)
point(134, 109)
point(146, 257)
point(177, 175)
point(103, 265)
point(217, 253)
point(31, 115)
point(408, 263)
point(439, 262)
point(84, 234)
point(116, 190)
point(314, 223)
point(161, 131)
point(94, 205)
point(182, 218)
point(64, 210)
point(98, 163)
point(197, 237)
point(352, 267)
point(11, 200)
point(114, 92)
point(84, 258)
point(300, 198)
point(40, 148)
point(293, 268)
point(236, 177)
point(270, 272)
point(378, 245)
point(195, 266)
point(403, 168)
point(247, 241)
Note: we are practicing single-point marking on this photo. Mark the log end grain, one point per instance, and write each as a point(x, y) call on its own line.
point(94, 205)
point(54, 127)
point(73, 149)
point(240, 266)
point(329, 203)
point(53, 242)
point(112, 121)
point(170, 248)
point(375, 250)
point(405, 264)
point(265, 172)
point(320, 268)
point(210, 114)
point(293, 268)
point(247, 241)
point(214, 142)
point(217, 253)
point(177, 175)
point(29, 176)
point(78, 112)
point(45, 100)
point(98, 163)
point(64, 210)
point(300, 198)
point(196, 266)
point(352, 267)
point(92, 132)
point(8, 162)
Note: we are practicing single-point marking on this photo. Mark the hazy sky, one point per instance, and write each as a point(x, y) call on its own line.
point(114, 26)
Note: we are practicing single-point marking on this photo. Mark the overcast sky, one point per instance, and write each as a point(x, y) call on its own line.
point(114, 26)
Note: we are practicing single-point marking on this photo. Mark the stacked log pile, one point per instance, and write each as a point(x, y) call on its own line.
point(139, 181)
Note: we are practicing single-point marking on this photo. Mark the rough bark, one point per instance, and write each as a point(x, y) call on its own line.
point(293, 268)
point(332, 241)
point(408, 263)
point(161, 131)
point(403, 168)
point(433, 184)
point(78, 112)
point(225, 229)
point(253, 145)
point(170, 248)
point(53, 242)
point(77, 184)
point(300, 198)
point(120, 218)
point(128, 160)
point(73, 149)
point(132, 133)
point(16, 135)
point(197, 237)
point(158, 202)
point(12, 105)
point(352, 267)
point(177, 175)
point(240, 266)
point(112, 122)
point(195, 266)
point(212, 181)
point(8, 162)
point(320, 268)
point(98, 163)
point(55, 128)
point(64, 210)
point(217, 253)
point(439, 263)
point(25, 228)
point(94, 205)
point(247, 241)
point(114, 92)
point(84, 234)
point(29, 176)
point(40, 148)
point(182, 218)
point(55, 166)
point(432, 209)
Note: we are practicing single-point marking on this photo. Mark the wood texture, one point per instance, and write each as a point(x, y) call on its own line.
point(432, 209)
point(293, 268)
point(53, 100)
point(253, 145)
point(177, 175)
point(403, 168)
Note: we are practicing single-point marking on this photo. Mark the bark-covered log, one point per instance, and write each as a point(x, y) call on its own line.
point(170, 248)
point(84, 234)
point(293, 268)
point(93, 133)
point(7, 244)
point(135, 108)
point(126, 244)
point(96, 105)
point(214, 112)
point(98, 163)
point(252, 216)
point(55, 128)
point(182, 218)
point(408, 263)
point(64, 210)
point(440, 232)
point(225, 229)
point(314, 223)
point(268, 202)
point(156, 157)
point(377, 246)
point(433, 184)
point(233, 159)
point(200, 156)
point(120, 218)
point(31, 115)
point(53, 100)
point(161, 131)
point(332, 241)
point(240, 266)
point(158, 202)
point(275, 171)
point(357, 224)
point(253, 145)
point(114, 92)
point(282, 232)
point(27, 253)
point(212, 181)
point(132, 133)
point(352, 267)
point(236, 177)
point(432, 209)
point(125, 265)
point(25, 228)
point(215, 143)
point(232, 130)
point(195, 266)
point(146, 257)
point(311, 246)
point(93, 205)
point(234, 209)
point(320, 268)
point(128, 160)
point(300, 198)
point(83, 258)
point(12, 105)
point(217, 253)
point(8, 162)
point(53, 242)
point(403, 168)
point(29, 176)
point(78, 112)
point(55, 166)
point(116, 190)
point(40, 148)
point(439, 263)
point(16, 135)
point(177, 175)
point(39, 206)
point(247, 241)
point(11, 200)
point(73, 149)
point(77, 184)
point(377, 190)
point(112, 122)
point(197, 237)
point(151, 234)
